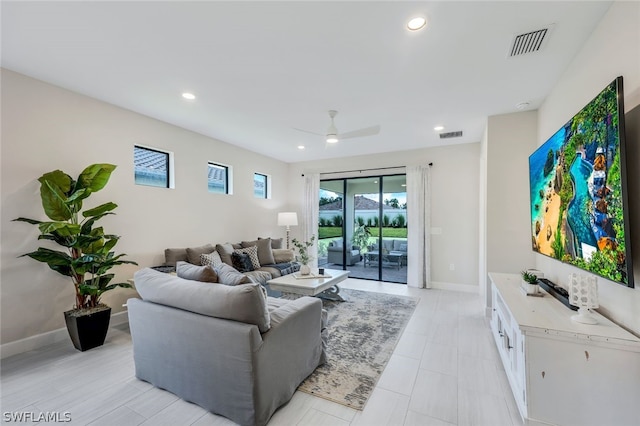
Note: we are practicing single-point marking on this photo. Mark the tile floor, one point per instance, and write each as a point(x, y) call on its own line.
point(445, 370)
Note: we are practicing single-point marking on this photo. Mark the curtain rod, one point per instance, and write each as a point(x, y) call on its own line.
point(365, 170)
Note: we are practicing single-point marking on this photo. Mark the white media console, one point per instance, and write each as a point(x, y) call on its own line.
point(562, 372)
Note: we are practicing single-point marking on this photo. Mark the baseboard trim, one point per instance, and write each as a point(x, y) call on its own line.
point(49, 338)
point(466, 288)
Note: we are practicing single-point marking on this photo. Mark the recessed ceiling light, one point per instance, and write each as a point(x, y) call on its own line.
point(438, 128)
point(189, 96)
point(416, 23)
point(300, 146)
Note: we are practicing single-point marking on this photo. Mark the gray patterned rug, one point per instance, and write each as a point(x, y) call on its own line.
point(363, 332)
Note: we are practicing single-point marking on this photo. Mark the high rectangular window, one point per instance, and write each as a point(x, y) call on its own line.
point(218, 178)
point(260, 185)
point(151, 167)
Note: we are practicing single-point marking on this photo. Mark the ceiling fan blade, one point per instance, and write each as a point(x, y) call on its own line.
point(306, 131)
point(367, 131)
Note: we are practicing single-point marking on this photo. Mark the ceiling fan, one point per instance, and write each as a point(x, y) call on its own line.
point(332, 135)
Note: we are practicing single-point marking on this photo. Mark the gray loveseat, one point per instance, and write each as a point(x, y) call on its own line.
point(230, 349)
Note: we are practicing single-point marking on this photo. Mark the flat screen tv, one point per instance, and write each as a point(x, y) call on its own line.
point(578, 191)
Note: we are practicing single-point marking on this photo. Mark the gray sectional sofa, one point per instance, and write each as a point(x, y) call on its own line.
point(270, 260)
point(230, 349)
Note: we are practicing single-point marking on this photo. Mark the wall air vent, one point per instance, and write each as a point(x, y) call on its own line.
point(529, 42)
point(449, 135)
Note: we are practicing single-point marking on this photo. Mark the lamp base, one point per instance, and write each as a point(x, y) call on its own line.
point(584, 317)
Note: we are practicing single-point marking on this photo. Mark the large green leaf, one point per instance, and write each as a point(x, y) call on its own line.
point(101, 210)
point(78, 196)
point(59, 179)
point(31, 221)
point(54, 236)
point(54, 201)
point(62, 229)
point(58, 261)
point(88, 224)
point(96, 176)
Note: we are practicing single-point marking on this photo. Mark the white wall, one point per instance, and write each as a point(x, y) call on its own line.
point(510, 140)
point(612, 50)
point(454, 201)
point(45, 128)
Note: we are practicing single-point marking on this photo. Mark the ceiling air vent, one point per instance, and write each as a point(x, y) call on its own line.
point(529, 42)
point(449, 135)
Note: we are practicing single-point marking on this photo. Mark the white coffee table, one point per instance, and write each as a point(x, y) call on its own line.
point(326, 288)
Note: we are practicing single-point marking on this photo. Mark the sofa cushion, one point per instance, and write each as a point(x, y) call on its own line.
point(241, 262)
point(253, 255)
point(282, 256)
point(173, 255)
point(193, 253)
point(261, 275)
point(337, 242)
point(196, 273)
point(230, 276)
point(212, 259)
point(265, 252)
point(276, 243)
point(225, 250)
point(246, 303)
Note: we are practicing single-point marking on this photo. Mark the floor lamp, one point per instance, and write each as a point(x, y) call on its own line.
point(288, 219)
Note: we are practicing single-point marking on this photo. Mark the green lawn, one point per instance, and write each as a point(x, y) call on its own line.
point(335, 231)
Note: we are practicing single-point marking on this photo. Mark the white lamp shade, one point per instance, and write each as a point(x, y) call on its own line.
point(288, 219)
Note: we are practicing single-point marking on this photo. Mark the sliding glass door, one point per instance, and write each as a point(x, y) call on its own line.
point(363, 227)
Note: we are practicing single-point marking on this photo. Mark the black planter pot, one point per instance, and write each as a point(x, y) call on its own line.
point(88, 330)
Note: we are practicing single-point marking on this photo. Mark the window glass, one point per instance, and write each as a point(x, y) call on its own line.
point(260, 185)
point(218, 178)
point(151, 167)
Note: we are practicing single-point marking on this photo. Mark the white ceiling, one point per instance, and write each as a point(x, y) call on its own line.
point(261, 69)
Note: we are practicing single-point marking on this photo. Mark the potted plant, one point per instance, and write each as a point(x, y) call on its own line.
point(303, 254)
point(530, 282)
point(87, 256)
point(360, 237)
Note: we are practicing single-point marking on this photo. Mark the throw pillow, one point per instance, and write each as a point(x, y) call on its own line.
point(173, 255)
point(276, 243)
point(282, 255)
point(253, 254)
point(242, 262)
point(212, 259)
point(265, 253)
point(225, 250)
point(196, 273)
point(228, 275)
point(403, 247)
point(193, 253)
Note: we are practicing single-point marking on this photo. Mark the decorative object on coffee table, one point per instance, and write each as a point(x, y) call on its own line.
point(87, 256)
point(303, 254)
point(363, 333)
point(288, 219)
point(583, 293)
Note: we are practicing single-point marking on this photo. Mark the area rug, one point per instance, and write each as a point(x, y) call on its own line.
point(363, 332)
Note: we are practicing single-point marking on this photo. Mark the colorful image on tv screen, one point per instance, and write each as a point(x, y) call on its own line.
point(577, 212)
